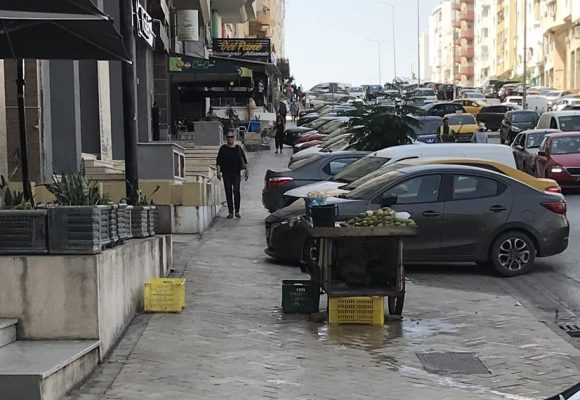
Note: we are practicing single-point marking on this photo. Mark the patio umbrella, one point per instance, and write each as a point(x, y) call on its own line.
point(54, 30)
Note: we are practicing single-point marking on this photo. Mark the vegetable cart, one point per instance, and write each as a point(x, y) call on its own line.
point(360, 261)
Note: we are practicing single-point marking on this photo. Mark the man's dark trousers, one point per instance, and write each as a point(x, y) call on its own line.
point(232, 184)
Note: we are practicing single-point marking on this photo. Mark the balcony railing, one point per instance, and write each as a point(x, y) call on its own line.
point(467, 15)
point(456, 5)
point(467, 52)
point(466, 33)
point(466, 70)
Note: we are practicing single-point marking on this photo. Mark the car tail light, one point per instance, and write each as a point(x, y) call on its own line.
point(554, 189)
point(274, 183)
point(559, 207)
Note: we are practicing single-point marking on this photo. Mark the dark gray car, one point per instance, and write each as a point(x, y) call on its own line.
point(525, 147)
point(516, 121)
point(320, 167)
point(464, 214)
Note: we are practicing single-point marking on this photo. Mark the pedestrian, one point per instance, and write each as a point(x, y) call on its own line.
point(294, 109)
point(289, 92)
point(280, 128)
point(231, 160)
point(446, 134)
point(211, 115)
point(283, 109)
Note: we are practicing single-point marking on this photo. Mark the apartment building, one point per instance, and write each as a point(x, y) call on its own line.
point(485, 65)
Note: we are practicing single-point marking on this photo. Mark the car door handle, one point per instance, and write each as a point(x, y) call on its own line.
point(431, 213)
point(497, 208)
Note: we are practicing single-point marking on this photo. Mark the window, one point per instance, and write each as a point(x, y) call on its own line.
point(422, 189)
point(336, 166)
point(474, 187)
point(553, 123)
point(566, 145)
point(568, 123)
point(362, 167)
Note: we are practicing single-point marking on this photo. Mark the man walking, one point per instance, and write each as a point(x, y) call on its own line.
point(230, 161)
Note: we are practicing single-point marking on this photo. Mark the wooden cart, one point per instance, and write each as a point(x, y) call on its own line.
point(361, 261)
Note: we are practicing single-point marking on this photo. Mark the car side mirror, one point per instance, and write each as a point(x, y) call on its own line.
point(388, 200)
point(519, 147)
point(542, 153)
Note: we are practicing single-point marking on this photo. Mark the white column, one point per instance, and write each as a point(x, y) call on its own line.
point(3, 139)
point(105, 110)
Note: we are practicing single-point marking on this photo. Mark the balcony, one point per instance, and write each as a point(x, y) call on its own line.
point(466, 70)
point(456, 5)
point(466, 33)
point(467, 15)
point(456, 23)
point(467, 1)
point(467, 52)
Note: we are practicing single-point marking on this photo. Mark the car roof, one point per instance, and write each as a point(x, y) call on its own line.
point(561, 113)
point(457, 115)
point(546, 131)
point(521, 112)
point(428, 118)
point(413, 148)
point(445, 168)
point(563, 134)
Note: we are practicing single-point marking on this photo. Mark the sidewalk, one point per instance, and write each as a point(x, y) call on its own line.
point(232, 341)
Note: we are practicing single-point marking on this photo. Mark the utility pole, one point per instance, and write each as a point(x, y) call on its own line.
point(394, 40)
point(129, 106)
point(378, 42)
point(525, 75)
point(418, 47)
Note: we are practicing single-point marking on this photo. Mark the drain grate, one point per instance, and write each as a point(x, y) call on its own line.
point(452, 363)
point(572, 328)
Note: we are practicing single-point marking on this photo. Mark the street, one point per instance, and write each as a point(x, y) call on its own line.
point(233, 341)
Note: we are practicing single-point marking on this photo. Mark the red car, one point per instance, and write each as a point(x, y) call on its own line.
point(310, 136)
point(559, 159)
point(306, 145)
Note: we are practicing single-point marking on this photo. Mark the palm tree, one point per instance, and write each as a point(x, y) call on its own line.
point(376, 127)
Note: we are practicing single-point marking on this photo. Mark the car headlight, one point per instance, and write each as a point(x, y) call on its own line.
point(556, 170)
point(516, 129)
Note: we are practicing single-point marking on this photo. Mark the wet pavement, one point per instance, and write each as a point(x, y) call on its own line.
point(232, 340)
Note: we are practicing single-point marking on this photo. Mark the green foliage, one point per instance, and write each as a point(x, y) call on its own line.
point(75, 189)
point(375, 127)
point(142, 199)
point(12, 199)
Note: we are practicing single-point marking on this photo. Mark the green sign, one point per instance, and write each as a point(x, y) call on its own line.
point(189, 64)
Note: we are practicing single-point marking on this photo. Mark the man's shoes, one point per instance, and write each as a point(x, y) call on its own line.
point(276, 152)
point(230, 216)
point(238, 216)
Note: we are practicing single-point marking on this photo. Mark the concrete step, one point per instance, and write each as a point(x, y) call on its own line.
point(45, 369)
point(7, 331)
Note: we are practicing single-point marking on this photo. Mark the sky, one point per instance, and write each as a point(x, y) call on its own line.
point(327, 40)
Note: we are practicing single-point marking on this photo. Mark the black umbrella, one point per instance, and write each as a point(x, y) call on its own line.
point(54, 29)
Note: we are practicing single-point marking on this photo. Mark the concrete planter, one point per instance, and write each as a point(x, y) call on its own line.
point(113, 224)
point(23, 232)
point(78, 229)
point(151, 218)
point(140, 221)
point(124, 222)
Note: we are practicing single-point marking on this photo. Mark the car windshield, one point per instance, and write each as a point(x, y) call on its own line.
point(371, 187)
point(566, 145)
point(375, 88)
point(428, 127)
point(474, 95)
point(317, 124)
point(534, 140)
point(331, 126)
point(360, 168)
point(524, 117)
point(517, 101)
point(553, 94)
point(425, 92)
point(466, 119)
point(355, 89)
point(569, 123)
point(381, 171)
point(306, 161)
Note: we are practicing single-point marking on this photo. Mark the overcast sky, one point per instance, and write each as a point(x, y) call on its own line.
point(326, 40)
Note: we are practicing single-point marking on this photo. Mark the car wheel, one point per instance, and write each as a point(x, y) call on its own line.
point(310, 256)
point(512, 253)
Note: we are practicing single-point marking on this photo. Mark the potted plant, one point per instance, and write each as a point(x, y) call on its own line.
point(22, 229)
point(124, 230)
point(79, 221)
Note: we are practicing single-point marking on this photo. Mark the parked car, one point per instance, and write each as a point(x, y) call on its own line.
point(425, 94)
point(464, 126)
point(356, 91)
point(391, 155)
point(491, 116)
point(445, 92)
point(506, 91)
point(499, 84)
point(331, 143)
point(373, 91)
point(513, 100)
point(472, 106)
point(525, 148)
point(442, 109)
point(428, 129)
point(556, 95)
point(473, 96)
point(559, 159)
point(464, 214)
point(537, 103)
point(566, 121)
point(321, 167)
point(323, 124)
point(567, 103)
point(514, 122)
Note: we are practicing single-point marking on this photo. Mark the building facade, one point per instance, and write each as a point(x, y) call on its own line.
point(485, 64)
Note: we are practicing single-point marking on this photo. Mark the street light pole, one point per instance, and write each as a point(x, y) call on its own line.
point(525, 75)
point(394, 41)
point(418, 48)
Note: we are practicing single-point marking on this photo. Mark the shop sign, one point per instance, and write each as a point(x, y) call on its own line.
point(144, 24)
point(189, 64)
point(245, 49)
point(187, 25)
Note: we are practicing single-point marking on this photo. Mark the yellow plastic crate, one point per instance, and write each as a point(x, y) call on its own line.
point(164, 295)
point(357, 310)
